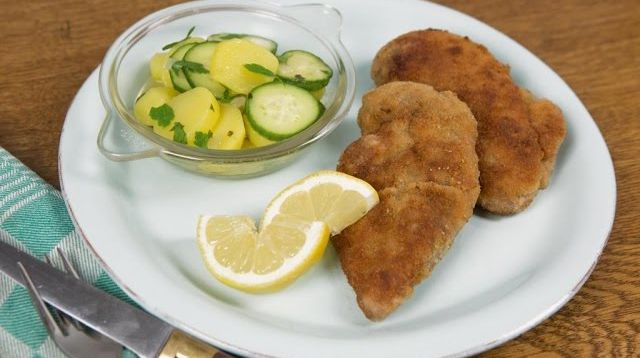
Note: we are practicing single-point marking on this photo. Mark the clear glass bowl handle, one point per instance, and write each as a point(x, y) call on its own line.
point(325, 20)
point(120, 143)
point(321, 18)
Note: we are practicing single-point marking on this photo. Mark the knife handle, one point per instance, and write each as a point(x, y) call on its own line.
point(180, 345)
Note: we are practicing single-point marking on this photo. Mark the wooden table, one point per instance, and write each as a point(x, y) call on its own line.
point(50, 47)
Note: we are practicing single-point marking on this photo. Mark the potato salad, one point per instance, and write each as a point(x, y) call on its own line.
point(231, 91)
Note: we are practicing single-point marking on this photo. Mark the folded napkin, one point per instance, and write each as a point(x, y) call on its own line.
point(33, 217)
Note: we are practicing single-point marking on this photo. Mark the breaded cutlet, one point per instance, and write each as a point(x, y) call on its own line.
point(418, 150)
point(518, 135)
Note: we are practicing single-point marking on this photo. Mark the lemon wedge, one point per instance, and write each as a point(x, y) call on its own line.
point(293, 234)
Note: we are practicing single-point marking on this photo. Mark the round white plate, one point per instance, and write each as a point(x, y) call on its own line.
point(502, 276)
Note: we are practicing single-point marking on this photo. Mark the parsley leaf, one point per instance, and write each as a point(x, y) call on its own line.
point(226, 96)
point(254, 67)
point(179, 135)
point(163, 114)
point(168, 46)
point(188, 65)
point(201, 139)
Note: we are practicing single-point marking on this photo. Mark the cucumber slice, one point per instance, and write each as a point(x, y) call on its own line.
point(189, 40)
point(178, 78)
point(222, 36)
point(279, 110)
point(202, 53)
point(258, 40)
point(304, 69)
point(270, 45)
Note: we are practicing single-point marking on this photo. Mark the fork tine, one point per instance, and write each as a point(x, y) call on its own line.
point(66, 320)
point(47, 318)
point(67, 263)
point(59, 316)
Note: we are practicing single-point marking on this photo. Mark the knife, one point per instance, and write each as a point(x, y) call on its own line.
point(142, 333)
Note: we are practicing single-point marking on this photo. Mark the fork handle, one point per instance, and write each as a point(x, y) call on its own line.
point(180, 345)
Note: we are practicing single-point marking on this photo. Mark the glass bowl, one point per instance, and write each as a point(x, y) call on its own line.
point(125, 71)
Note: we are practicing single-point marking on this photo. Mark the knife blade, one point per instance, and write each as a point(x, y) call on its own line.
point(142, 333)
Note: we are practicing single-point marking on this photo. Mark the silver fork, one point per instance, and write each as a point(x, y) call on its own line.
point(72, 337)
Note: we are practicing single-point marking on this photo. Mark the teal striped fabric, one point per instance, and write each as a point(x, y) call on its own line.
point(33, 217)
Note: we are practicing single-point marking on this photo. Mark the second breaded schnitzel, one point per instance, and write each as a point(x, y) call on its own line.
point(418, 150)
point(518, 135)
point(548, 122)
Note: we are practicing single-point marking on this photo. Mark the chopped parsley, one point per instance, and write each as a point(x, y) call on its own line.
point(179, 135)
point(163, 114)
point(255, 68)
point(226, 96)
point(188, 65)
point(201, 139)
point(168, 46)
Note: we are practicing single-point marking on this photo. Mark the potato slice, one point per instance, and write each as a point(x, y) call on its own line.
point(318, 94)
point(229, 133)
point(153, 97)
point(229, 60)
point(164, 131)
point(196, 110)
point(159, 69)
point(256, 139)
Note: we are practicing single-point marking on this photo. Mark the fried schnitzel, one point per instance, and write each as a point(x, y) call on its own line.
point(548, 122)
point(518, 135)
point(418, 150)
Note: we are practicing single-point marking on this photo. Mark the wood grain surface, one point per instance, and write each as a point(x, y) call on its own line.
point(50, 47)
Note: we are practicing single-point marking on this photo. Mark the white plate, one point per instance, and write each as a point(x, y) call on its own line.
point(502, 276)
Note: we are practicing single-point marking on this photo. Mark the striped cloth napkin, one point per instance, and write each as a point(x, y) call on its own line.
point(33, 217)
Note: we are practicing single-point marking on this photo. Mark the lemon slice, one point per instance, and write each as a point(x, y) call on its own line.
point(336, 198)
point(294, 232)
